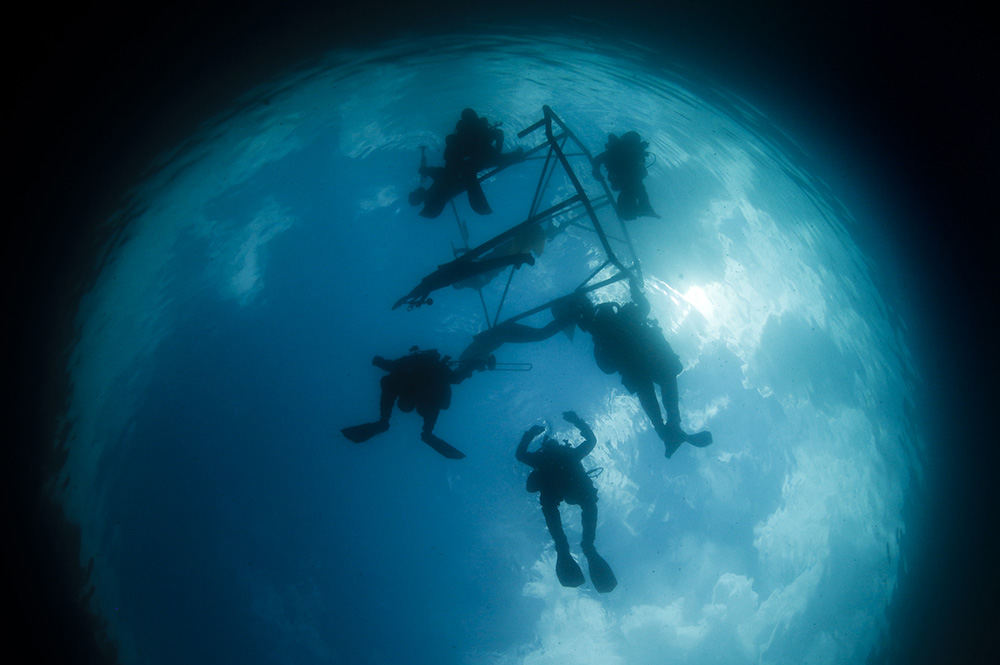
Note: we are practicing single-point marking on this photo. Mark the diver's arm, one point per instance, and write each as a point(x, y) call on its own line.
point(497, 136)
point(522, 453)
point(596, 164)
point(589, 439)
point(384, 363)
point(639, 298)
point(423, 160)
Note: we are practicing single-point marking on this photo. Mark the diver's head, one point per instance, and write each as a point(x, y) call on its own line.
point(630, 137)
point(469, 115)
point(548, 443)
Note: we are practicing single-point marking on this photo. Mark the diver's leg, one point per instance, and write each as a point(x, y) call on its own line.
point(497, 262)
point(671, 402)
point(430, 417)
point(588, 519)
point(519, 333)
point(669, 431)
point(477, 198)
point(567, 569)
point(673, 436)
point(361, 433)
point(647, 399)
point(388, 398)
point(627, 204)
point(550, 510)
point(642, 198)
point(668, 391)
point(601, 575)
point(442, 447)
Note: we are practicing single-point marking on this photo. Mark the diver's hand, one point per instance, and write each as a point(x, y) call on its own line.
point(535, 430)
point(378, 361)
point(571, 417)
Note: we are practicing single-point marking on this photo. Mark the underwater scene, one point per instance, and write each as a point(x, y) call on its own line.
point(491, 349)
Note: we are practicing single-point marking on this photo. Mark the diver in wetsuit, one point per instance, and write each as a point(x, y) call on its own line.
point(558, 475)
point(422, 381)
point(456, 271)
point(628, 342)
point(447, 182)
point(475, 146)
point(624, 158)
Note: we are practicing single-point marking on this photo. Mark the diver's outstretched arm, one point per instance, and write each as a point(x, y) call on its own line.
point(638, 297)
point(476, 355)
point(384, 364)
point(522, 453)
point(589, 439)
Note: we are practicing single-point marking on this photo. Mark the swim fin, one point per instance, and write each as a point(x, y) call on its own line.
point(568, 570)
point(601, 575)
point(477, 198)
point(441, 446)
point(699, 439)
point(361, 433)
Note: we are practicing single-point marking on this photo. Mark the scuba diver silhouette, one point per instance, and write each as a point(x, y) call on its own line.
point(476, 145)
point(422, 381)
point(558, 475)
point(625, 160)
point(460, 269)
point(630, 343)
point(447, 182)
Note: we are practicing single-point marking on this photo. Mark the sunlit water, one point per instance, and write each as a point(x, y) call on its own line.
point(230, 337)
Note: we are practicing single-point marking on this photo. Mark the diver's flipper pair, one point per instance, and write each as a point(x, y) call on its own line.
point(361, 433)
point(442, 447)
point(601, 575)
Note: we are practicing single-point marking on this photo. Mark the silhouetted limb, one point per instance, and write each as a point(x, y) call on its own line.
point(478, 355)
point(456, 271)
point(567, 569)
point(601, 575)
point(441, 446)
point(588, 520)
point(361, 433)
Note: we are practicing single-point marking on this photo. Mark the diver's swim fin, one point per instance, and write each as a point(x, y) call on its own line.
point(477, 198)
point(361, 433)
point(441, 446)
point(699, 439)
point(568, 570)
point(601, 575)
